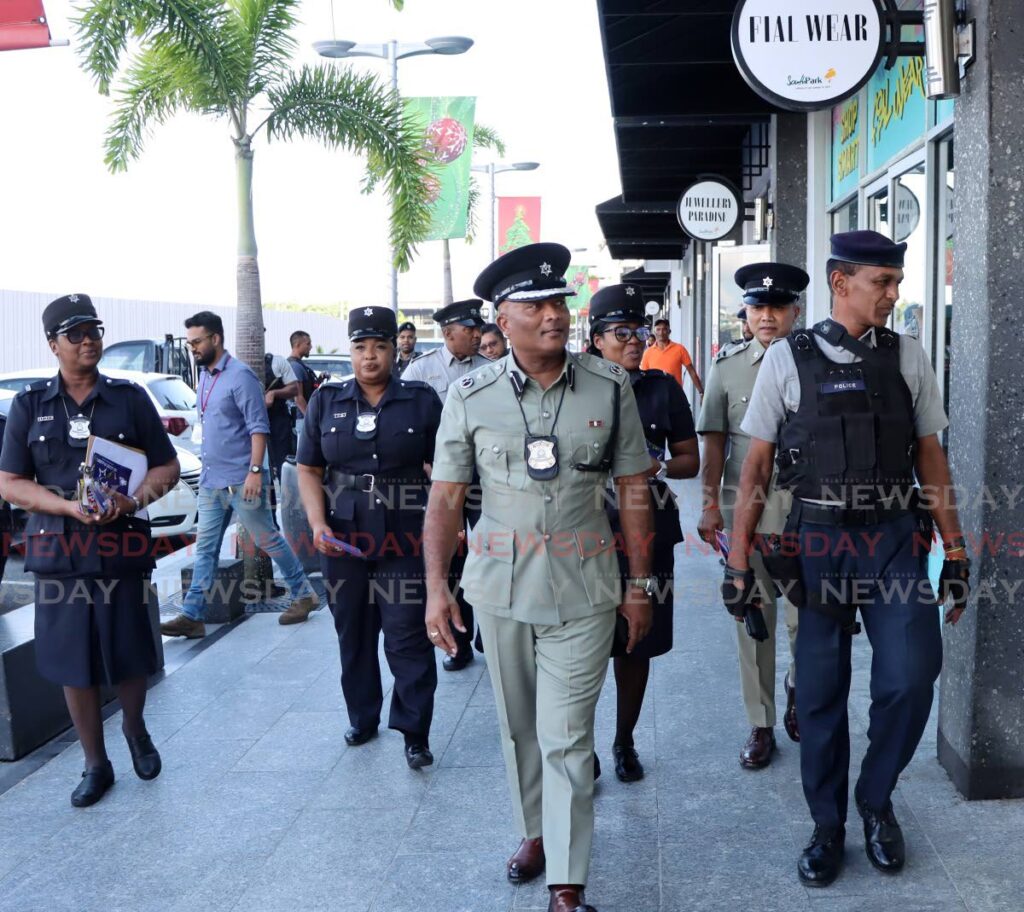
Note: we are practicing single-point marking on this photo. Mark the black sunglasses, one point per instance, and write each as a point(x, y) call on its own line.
point(76, 334)
point(624, 333)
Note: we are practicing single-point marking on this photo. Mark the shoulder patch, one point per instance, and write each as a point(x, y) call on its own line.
point(479, 379)
point(36, 387)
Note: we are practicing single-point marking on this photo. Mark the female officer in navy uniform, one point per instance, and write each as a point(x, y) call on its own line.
point(618, 332)
point(363, 460)
point(92, 627)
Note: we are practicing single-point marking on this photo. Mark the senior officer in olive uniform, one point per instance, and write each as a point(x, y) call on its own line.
point(770, 295)
point(460, 325)
point(544, 428)
point(854, 411)
point(366, 444)
point(91, 621)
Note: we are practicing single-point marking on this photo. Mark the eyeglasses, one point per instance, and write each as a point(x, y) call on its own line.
point(195, 343)
point(76, 335)
point(624, 333)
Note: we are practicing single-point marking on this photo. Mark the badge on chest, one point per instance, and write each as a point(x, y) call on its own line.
point(366, 426)
point(541, 457)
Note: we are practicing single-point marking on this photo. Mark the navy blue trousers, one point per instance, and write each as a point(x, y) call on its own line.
point(883, 570)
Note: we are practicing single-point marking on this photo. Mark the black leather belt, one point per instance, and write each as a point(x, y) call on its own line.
point(842, 515)
point(367, 483)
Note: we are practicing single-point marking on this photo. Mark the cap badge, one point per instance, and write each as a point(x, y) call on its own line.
point(545, 269)
point(368, 312)
point(768, 281)
point(630, 291)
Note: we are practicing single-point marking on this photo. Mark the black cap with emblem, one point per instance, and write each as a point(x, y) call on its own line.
point(867, 248)
point(530, 273)
point(372, 323)
point(68, 312)
point(771, 283)
point(618, 304)
point(741, 314)
point(466, 313)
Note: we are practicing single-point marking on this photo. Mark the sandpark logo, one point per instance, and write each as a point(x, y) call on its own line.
point(805, 81)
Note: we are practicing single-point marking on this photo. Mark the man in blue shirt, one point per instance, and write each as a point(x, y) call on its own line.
point(232, 430)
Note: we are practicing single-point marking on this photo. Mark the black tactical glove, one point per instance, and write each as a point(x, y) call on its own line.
point(735, 598)
point(955, 581)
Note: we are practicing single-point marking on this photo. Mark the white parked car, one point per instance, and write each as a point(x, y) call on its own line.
point(177, 512)
point(174, 399)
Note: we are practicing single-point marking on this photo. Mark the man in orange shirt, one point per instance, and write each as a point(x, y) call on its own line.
point(670, 357)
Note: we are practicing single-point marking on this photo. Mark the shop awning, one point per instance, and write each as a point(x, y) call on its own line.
point(641, 231)
point(23, 25)
point(652, 283)
point(679, 105)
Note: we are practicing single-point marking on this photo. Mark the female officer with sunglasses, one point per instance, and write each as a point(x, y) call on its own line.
point(618, 333)
point(92, 625)
point(362, 460)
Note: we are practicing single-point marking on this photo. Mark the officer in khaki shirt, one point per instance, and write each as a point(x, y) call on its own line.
point(544, 428)
point(770, 293)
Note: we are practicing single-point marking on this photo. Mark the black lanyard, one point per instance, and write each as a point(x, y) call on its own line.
point(540, 450)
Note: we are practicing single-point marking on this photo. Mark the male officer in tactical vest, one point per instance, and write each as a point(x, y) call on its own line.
point(544, 428)
point(770, 295)
point(853, 411)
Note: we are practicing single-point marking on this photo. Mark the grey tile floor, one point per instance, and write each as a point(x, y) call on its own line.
point(261, 806)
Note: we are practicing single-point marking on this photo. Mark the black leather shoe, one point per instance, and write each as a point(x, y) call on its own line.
point(627, 763)
point(597, 767)
point(94, 785)
point(458, 661)
point(145, 757)
point(356, 736)
point(789, 719)
point(883, 839)
point(418, 756)
point(822, 860)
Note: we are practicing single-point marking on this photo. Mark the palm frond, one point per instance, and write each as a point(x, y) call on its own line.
point(485, 137)
point(473, 201)
point(355, 112)
point(261, 31)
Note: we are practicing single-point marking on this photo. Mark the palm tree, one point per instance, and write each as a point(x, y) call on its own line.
point(483, 138)
point(230, 59)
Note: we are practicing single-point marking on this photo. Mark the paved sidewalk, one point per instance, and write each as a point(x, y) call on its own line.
point(261, 807)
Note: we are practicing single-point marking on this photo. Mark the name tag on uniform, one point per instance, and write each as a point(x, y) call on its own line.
point(44, 418)
point(842, 386)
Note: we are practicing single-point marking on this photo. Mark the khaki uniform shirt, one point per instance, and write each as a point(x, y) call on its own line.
point(542, 551)
point(726, 398)
point(440, 369)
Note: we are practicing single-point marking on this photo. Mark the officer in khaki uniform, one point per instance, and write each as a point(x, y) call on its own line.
point(770, 293)
point(544, 428)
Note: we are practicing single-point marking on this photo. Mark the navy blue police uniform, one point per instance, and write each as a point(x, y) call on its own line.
point(92, 626)
point(666, 418)
point(376, 489)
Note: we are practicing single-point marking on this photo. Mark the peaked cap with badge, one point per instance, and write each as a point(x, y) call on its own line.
point(67, 312)
point(530, 273)
point(465, 313)
point(867, 248)
point(372, 323)
point(617, 304)
point(765, 284)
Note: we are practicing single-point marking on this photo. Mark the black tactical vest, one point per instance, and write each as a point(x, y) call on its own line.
point(852, 439)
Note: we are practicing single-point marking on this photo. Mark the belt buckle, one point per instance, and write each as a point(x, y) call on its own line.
point(373, 482)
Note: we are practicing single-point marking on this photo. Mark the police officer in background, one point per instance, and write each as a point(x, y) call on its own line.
point(770, 295)
point(460, 325)
point(544, 428)
point(405, 350)
point(362, 461)
point(853, 410)
point(618, 333)
point(91, 568)
point(746, 332)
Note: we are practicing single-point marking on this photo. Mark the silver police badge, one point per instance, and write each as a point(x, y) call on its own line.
point(541, 454)
point(78, 428)
point(366, 423)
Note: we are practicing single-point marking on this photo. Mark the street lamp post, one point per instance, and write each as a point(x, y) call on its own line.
point(492, 168)
point(392, 51)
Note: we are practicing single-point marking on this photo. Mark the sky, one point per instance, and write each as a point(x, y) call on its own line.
point(166, 229)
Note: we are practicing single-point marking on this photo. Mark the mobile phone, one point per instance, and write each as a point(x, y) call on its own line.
point(723, 542)
point(342, 546)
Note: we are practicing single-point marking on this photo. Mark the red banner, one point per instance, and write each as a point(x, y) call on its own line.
point(23, 25)
point(518, 222)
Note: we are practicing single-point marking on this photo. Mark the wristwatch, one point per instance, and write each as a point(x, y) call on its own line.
point(646, 583)
point(255, 469)
point(138, 504)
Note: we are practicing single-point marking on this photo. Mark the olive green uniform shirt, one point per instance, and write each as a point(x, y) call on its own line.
point(727, 395)
point(542, 551)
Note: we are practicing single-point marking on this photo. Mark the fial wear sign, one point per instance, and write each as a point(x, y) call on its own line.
point(804, 55)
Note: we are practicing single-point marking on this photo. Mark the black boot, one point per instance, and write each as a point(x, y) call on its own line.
point(822, 860)
point(883, 838)
point(94, 785)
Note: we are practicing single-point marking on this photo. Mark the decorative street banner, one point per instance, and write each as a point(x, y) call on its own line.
point(447, 125)
point(586, 285)
point(23, 25)
point(805, 55)
point(518, 222)
point(709, 209)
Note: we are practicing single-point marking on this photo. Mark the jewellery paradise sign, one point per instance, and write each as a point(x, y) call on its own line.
point(805, 55)
point(709, 209)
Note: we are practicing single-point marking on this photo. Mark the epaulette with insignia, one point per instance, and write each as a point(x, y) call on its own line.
point(731, 349)
point(600, 366)
point(478, 379)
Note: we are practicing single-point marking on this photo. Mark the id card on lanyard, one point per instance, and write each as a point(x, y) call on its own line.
point(204, 400)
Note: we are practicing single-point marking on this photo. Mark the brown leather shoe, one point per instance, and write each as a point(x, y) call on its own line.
point(183, 626)
point(528, 861)
point(789, 719)
point(299, 610)
point(568, 898)
point(757, 752)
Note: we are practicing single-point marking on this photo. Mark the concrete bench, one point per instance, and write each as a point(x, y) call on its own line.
point(32, 709)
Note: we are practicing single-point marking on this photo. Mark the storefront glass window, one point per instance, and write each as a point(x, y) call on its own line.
point(878, 212)
point(944, 262)
point(845, 217)
point(910, 225)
